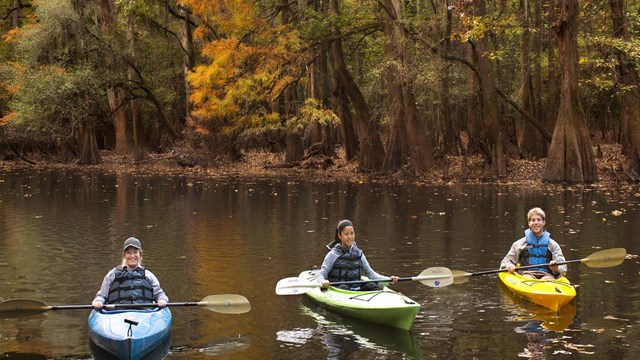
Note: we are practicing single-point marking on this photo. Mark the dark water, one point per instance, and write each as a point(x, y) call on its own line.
point(60, 232)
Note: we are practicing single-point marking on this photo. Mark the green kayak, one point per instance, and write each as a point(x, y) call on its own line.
point(386, 307)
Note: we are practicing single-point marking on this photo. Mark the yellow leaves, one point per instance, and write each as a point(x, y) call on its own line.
point(11, 36)
point(250, 63)
point(8, 118)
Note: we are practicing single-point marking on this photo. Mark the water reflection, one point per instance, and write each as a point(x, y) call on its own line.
point(342, 336)
point(158, 353)
point(214, 236)
point(522, 310)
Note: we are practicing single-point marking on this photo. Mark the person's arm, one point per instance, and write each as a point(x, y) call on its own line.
point(368, 271)
point(158, 294)
point(511, 259)
point(557, 256)
point(103, 293)
point(327, 265)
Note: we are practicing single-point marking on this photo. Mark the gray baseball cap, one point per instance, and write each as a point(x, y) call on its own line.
point(132, 242)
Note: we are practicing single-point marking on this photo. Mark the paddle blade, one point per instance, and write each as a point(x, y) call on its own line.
point(17, 308)
point(226, 303)
point(460, 277)
point(605, 258)
point(295, 286)
point(435, 277)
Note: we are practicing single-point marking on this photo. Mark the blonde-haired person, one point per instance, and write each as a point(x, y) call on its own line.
point(346, 262)
point(130, 282)
point(536, 247)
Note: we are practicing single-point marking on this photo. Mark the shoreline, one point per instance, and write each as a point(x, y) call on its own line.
point(262, 164)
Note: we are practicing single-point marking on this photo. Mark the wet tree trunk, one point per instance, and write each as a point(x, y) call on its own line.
point(570, 156)
point(629, 81)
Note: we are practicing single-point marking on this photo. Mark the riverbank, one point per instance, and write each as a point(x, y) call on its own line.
point(453, 169)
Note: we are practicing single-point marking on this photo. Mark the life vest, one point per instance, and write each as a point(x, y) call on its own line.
point(537, 251)
point(347, 265)
point(130, 287)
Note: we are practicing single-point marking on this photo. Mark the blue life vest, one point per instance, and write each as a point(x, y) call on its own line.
point(130, 287)
point(537, 251)
point(347, 265)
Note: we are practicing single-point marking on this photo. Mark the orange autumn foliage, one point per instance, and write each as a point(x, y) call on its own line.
point(251, 59)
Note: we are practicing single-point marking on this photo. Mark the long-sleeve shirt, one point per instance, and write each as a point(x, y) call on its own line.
point(330, 259)
point(103, 293)
point(513, 255)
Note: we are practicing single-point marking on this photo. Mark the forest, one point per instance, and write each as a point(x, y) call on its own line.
point(397, 85)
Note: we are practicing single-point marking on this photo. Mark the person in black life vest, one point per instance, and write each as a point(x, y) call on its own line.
point(346, 262)
point(130, 282)
point(536, 247)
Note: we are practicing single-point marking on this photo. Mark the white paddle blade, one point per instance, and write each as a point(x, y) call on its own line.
point(460, 277)
point(226, 303)
point(295, 286)
point(435, 277)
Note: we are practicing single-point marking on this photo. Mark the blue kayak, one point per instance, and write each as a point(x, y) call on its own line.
point(130, 334)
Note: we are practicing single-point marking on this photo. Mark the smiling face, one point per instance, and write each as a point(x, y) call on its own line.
point(132, 257)
point(347, 237)
point(536, 224)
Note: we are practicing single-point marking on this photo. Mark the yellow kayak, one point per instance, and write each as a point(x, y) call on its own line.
point(552, 294)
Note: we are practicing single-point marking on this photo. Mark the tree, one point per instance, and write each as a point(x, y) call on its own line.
point(570, 157)
point(628, 83)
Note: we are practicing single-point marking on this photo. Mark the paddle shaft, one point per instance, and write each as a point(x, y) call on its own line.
point(522, 267)
point(406, 278)
point(114, 306)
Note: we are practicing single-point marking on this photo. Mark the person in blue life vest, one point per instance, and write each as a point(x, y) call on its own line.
point(346, 262)
point(536, 247)
point(130, 282)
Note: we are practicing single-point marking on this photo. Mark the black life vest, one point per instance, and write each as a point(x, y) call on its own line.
point(347, 265)
point(130, 287)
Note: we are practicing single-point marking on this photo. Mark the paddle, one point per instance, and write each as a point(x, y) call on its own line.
point(600, 259)
point(434, 277)
point(223, 303)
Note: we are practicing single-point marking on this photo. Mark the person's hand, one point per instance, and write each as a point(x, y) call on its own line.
point(553, 265)
point(511, 268)
point(394, 279)
point(162, 303)
point(97, 304)
point(325, 284)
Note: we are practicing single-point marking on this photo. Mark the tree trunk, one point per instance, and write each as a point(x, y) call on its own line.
point(450, 131)
point(136, 122)
point(494, 132)
point(553, 75)
point(532, 144)
point(343, 111)
point(473, 106)
point(630, 94)
point(115, 95)
point(420, 149)
point(371, 149)
point(570, 155)
point(116, 105)
point(89, 154)
point(189, 58)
